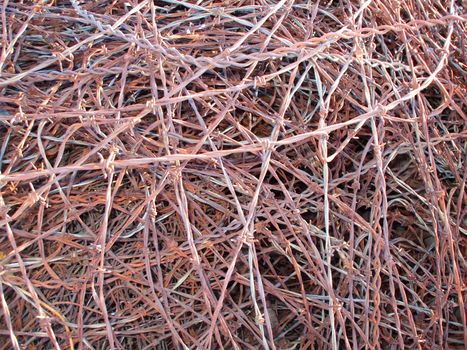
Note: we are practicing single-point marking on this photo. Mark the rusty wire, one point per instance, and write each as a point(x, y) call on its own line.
point(232, 175)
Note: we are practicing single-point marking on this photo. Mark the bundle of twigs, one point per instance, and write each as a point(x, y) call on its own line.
point(233, 174)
